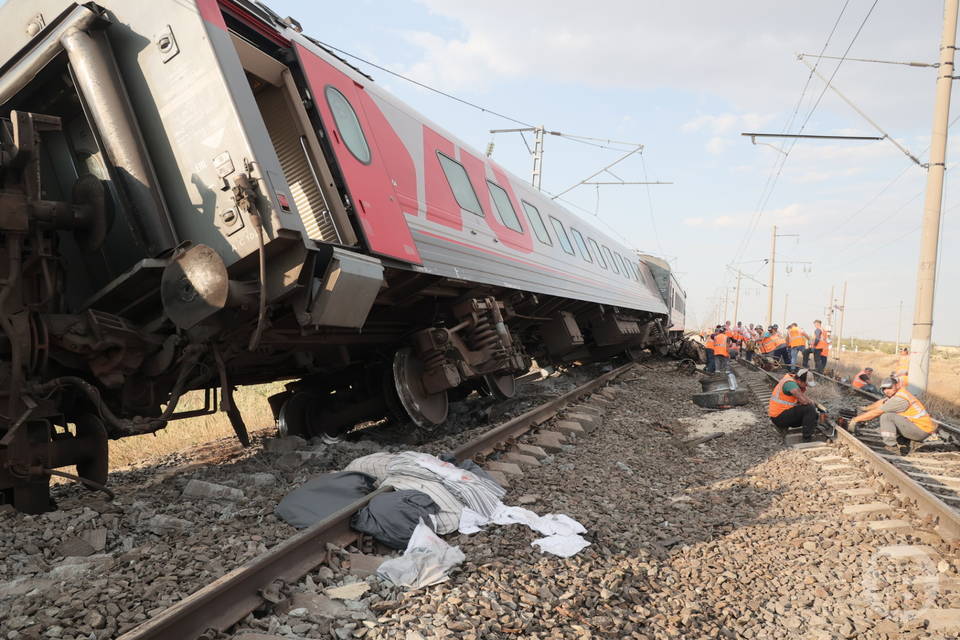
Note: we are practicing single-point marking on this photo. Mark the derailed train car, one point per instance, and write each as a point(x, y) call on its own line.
point(194, 196)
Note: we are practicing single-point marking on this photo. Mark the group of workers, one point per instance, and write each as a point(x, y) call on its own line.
point(793, 348)
point(903, 418)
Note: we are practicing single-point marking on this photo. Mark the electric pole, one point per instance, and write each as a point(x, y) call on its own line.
point(773, 265)
point(537, 156)
point(843, 313)
point(786, 300)
point(830, 311)
point(929, 240)
point(899, 323)
point(773, 271)
point(736, 304)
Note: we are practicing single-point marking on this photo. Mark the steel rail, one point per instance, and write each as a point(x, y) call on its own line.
point(227, 600)
point(946, 517)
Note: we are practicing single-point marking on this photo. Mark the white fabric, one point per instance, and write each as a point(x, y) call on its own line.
point(561, 531)
point(450, 487)
point(561, 545)
point(426, 561)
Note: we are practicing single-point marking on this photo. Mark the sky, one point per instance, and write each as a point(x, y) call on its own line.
point(685, 80)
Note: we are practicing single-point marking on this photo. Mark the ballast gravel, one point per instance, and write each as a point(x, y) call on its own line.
point(737, 537)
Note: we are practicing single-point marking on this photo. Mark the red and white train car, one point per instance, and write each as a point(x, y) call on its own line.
point(196, 195)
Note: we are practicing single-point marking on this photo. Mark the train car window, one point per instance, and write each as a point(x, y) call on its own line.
point(584, 251)
point(561, 232)
point(596, 249)
point(613, 263)
point(622, 264)
point(508, 215)
point(348, 124)
point(536, 221)
point(459, 183)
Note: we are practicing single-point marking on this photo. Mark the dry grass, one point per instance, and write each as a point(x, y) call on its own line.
point(187, 435)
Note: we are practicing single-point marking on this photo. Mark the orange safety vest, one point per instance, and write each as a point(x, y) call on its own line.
point(778, 341)
point(822, 344)
point(709, 344)
point(766, 344)
point(720, 345)
point(858, 382)
point(916, 412)
point(796, 337)
point(779, 401)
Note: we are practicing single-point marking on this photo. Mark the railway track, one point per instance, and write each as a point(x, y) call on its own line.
point(930, 475)
point(226, 601)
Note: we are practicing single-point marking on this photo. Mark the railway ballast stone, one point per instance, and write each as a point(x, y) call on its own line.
point(507, 468)
point(550, 441)
point(211, 491)
point(520, 459)
point(568, 427)
point(532, 450)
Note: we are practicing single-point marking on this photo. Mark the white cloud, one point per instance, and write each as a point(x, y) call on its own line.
point(629, 44)
point(716, 145)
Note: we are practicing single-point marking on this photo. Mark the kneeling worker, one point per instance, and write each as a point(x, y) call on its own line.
point(790, 407)
point(900, 413)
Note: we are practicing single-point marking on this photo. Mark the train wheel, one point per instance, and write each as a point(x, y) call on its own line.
point(293, 417)
point(503, 387)
point(95, 465)
point(427, 410)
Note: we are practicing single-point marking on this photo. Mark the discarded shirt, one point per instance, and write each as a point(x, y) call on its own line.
point(450, 487)
point(427, 560)
point(561, 545)
point(561, 531)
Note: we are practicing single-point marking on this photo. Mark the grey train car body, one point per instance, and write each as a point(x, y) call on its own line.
point(196, 196)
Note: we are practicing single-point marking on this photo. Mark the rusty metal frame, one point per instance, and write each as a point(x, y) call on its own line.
point(227, 600)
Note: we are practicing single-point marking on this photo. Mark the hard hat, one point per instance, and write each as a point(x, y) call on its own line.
point(888, 383)
point(801, 373)
point(868, 368)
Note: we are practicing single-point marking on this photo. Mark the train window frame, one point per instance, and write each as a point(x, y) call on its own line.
point(495, 190)
point(562, 236)
point(622, 263)
point(453, 164)
point(351, 118)
point(582, 245)
point(536, 223)
point(596, 248)
point(613, 263)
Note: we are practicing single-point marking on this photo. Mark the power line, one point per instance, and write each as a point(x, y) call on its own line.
point(422, 85)
point(653, 221)
point(781, 160)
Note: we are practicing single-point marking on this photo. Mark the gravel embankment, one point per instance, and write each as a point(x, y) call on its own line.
point(734, 538)
point(94, 569)
point(737, 537)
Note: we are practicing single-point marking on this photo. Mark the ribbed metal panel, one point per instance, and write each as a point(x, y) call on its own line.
point(303, 187)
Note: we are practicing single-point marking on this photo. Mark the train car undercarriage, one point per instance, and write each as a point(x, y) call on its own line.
point(107, 319)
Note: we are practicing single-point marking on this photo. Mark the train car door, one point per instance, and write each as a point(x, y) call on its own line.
point(339, 100)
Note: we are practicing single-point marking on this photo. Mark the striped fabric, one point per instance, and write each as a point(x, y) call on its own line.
point(450, 487)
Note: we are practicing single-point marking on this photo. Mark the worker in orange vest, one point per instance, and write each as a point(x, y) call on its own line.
point(790, 406)
point(796, 341)
point(822, 347)
point(779, 344)
point(721, 349)
point(708, 348)
point(862, 381)
point(901, 415)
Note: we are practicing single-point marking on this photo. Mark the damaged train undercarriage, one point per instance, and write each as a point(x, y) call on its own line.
point(141, 258)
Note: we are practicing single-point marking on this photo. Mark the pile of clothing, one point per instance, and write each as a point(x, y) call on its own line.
point(431, 496)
